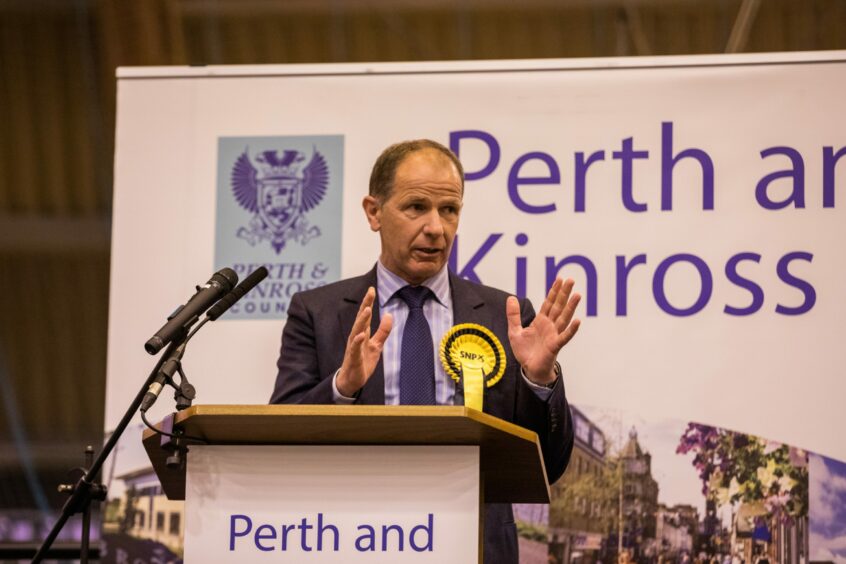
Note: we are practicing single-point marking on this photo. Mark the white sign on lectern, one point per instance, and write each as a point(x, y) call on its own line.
point(332, 504)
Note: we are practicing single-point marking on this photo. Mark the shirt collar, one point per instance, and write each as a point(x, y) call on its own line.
point(387, 284)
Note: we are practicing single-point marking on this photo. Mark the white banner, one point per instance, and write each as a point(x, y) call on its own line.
point(697, 201)
point(704, 232)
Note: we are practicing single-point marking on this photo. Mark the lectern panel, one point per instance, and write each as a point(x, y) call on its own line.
point(333, 504)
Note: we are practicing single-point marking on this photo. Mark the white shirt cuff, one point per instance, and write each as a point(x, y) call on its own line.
point(542, 392)
point(337, 396)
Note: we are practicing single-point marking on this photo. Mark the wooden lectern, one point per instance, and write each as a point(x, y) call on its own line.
point(308, 483)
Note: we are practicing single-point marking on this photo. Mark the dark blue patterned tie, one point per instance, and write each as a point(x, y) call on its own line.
point(417, 357)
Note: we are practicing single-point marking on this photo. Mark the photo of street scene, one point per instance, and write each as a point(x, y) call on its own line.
point(827, 507)
point(140, 524)
point(647, 491)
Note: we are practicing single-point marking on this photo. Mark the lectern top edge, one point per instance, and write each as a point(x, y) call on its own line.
point(363, 411)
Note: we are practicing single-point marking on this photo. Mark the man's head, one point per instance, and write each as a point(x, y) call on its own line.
point(415, 199)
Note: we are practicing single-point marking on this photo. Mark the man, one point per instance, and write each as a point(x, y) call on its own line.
point(345, 342)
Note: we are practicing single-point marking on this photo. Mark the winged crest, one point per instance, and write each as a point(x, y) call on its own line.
point(278, 194)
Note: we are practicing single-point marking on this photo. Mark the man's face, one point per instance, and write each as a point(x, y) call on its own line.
point(418, 220)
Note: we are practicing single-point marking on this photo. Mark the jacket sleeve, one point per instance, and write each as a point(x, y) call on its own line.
point(298, 379)
point(550, 419)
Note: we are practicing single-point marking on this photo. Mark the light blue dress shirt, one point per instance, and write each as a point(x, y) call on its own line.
point(438, 312)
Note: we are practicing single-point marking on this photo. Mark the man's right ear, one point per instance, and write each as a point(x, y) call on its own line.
point(373, 211)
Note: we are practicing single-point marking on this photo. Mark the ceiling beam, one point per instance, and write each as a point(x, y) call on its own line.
point(39, 234)
point(44, 453)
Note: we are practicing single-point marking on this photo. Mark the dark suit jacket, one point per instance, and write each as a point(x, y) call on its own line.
point(313, 344)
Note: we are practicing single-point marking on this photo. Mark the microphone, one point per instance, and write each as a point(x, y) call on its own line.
point(186, 315)
point(171, 365)
point(229, 299)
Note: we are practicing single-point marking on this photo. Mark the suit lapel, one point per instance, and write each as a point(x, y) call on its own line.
point(373, 392)
point(467, 305)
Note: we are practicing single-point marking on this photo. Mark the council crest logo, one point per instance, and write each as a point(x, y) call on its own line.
point(279, 204)
point(279, 188)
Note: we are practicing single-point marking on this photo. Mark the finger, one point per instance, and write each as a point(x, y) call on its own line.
point(362, 322)
point(512, 314)
point(350, 374)
point(561, 298)
point(381, 334)
point(568, 333)
point(550, 297)
point(355, 348)
point(567, 315)
point(368, 299)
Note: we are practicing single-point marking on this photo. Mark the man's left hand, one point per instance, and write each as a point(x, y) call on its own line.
point(536, 347)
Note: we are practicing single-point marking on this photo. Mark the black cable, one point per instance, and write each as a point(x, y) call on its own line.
point(171, 435)
point(173, 355)
point(171, 383)
point(195, 329)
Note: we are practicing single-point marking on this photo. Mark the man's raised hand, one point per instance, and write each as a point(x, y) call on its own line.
point(536, 346)
point(363, 351)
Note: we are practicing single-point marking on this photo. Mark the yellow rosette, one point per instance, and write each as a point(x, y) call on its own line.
point(472, 354)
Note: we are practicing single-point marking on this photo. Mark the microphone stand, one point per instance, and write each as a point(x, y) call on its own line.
point(86, 489)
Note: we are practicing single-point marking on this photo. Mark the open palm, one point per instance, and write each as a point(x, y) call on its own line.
point(363, 351)
point(536, 347)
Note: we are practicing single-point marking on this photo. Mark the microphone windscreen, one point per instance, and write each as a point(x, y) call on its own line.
point(229, 299)
point(226, 277)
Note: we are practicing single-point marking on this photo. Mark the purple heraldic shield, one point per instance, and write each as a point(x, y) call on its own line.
point(279, 191)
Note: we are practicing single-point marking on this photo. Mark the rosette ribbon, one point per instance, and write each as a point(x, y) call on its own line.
point(474, 357)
